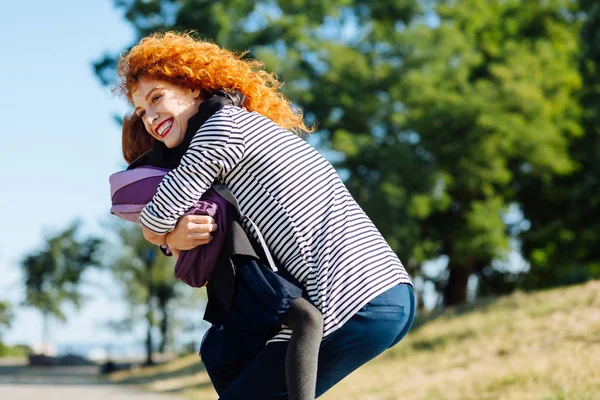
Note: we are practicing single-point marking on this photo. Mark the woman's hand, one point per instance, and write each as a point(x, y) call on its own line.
point(191, 231)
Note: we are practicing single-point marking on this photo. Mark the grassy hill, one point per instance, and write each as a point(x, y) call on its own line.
point(543, 345)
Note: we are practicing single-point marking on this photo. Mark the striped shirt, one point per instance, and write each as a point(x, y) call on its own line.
point(309, 220)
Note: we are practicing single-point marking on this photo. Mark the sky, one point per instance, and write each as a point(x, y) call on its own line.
point(59, 145)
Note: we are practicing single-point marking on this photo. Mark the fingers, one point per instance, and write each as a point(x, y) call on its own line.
point(201, 228)
point(200, 224)
point(200, 219)
point(194, 229)
point(200, 235)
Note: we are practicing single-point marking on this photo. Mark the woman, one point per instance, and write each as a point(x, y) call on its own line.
point(235, 294)
point(315, 229)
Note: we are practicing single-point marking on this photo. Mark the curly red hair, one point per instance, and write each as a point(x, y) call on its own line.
point(181, 59)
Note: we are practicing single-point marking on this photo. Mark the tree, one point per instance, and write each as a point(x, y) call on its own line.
point(147, 279)
point(6, 317)
point(53, 275)
point(435, 116)
point(491, 93)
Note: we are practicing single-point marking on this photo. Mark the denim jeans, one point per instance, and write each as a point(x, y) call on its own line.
point(241, 367)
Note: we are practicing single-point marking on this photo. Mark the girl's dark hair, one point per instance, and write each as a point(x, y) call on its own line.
point(135, 138)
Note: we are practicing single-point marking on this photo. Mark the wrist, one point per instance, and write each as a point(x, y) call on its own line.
point(153, 237)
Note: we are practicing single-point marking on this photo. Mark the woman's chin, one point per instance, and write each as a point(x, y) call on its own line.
point(171, 143)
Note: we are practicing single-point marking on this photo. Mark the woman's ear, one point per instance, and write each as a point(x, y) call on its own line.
point(196, 92)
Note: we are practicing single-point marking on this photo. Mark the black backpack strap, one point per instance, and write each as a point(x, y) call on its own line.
point(224, 192)
point(240, 244)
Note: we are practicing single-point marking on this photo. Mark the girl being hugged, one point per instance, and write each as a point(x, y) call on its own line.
point(314, 228)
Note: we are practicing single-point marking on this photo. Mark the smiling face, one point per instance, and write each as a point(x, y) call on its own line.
point(165, 109)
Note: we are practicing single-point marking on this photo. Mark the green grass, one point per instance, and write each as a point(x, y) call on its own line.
point(543, 345)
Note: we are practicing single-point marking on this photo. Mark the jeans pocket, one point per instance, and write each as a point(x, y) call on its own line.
point(384, 311)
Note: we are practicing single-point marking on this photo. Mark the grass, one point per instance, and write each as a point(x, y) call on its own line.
point(543, 346)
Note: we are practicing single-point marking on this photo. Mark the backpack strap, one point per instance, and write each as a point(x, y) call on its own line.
point(224, 192)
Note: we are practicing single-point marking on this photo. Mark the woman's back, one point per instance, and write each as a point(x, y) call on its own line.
point(311, 223)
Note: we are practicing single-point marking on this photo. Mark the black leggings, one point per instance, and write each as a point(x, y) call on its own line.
point(302, 355)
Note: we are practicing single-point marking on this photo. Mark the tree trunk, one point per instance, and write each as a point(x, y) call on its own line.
point(164, 329)
point(150, 256)
point(420, 301)
point(45, 334)
point(455, 292)
point(149, 360)
point(149, 320)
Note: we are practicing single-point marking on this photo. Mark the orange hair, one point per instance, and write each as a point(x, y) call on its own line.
point(135, 138)
point(183, 60)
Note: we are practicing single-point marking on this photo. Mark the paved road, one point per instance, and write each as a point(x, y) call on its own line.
point(84, 392)
point(25, 383)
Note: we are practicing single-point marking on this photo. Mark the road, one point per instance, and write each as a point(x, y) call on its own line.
point(20, 382)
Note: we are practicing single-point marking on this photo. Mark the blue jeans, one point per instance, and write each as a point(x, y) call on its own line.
point(241, 367)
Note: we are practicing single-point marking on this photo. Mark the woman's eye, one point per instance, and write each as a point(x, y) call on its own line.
point(141, 114)
point(155, 98)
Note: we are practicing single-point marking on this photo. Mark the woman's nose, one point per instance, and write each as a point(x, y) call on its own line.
point(151, 117)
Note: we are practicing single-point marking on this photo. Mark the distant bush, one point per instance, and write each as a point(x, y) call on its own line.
point(19, 350)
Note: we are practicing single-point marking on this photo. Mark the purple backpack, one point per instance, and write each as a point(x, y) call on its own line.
point(132, 189)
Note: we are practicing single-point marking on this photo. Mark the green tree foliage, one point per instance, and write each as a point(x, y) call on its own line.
point(6, 315)
point(491, 94)
point(6, 318)
point(439, 118)
point(564, 211)
point(53, 275)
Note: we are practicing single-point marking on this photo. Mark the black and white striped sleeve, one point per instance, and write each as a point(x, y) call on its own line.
point(216, 149)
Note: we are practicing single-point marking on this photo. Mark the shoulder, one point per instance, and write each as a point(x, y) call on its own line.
point(238, 121)
point(248, 120)
point(221, 129)
point(224, 115)
point(220, 123)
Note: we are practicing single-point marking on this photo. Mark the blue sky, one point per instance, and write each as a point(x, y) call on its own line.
point(59, 145)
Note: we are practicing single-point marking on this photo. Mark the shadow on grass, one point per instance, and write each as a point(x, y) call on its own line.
point(441, 341)
point(479, 305)
point(195, 386)
point(151, 377)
